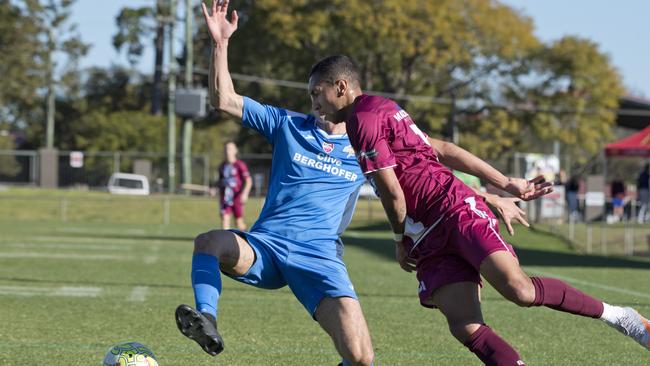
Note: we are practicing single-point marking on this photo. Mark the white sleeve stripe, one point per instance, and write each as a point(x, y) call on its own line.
point(378, 169)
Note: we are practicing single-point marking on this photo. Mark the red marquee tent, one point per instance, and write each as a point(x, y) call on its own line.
point(637, 145)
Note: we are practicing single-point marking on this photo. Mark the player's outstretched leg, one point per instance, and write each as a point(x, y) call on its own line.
point(200, 327)
point(502, 270)
point(213, 251)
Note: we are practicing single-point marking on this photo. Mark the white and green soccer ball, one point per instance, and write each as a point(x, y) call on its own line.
point(130, 354)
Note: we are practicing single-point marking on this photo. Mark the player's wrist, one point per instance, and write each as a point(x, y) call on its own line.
point(220, 43)
point(398, 237)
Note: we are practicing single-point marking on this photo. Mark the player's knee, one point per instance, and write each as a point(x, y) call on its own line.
point(464, 329)
point(213, 242)
point(361, 356)
point(520, 291)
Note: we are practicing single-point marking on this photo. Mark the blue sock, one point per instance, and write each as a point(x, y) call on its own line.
point(206, 281)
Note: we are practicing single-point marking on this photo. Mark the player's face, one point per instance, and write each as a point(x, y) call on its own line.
point(326, 100)
point(231, 152)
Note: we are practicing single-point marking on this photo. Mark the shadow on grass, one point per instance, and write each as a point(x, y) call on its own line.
point(527, 255)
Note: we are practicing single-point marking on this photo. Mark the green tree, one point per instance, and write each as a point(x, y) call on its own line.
point(21, 65)
point(104, 92)
point(120, 131)
point(572, 98)
point(135, 25)
point(511, 92)
point(40, 54)
point(417, 47)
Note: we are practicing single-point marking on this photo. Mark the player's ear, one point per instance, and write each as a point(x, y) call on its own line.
point(341, 87)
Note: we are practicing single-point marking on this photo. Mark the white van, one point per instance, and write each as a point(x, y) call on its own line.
point(124, 183)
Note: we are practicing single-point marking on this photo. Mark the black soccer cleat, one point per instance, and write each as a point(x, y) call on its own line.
point(200, 327)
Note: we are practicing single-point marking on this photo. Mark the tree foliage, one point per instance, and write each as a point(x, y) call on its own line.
point(21, 64)
point(480, 53)
point(32, 31)
point(136, 26)
point(477, 60)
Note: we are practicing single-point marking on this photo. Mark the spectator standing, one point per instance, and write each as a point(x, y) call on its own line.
point(234, 186)
point(643, 193)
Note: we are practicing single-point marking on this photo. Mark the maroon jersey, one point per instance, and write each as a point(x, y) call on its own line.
point(231, 179)
point(383, 135)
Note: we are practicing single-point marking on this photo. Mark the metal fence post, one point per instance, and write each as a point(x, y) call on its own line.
point(603, 239)
point(116, 162)
point(206, 170)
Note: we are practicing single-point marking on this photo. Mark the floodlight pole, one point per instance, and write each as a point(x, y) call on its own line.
point(171, 112)
point(188, 126)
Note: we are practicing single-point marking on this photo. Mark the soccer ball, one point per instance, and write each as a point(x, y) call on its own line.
point(130, 354)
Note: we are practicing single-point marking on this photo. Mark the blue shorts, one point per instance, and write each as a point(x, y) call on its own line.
point(312, 272)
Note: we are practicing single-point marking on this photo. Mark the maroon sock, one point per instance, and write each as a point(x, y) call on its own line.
point(557, 295)
point(491, 349)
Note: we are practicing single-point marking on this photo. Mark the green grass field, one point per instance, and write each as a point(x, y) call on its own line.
point(107, 271)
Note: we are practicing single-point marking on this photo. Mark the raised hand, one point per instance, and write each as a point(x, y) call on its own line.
point(527, 190)
point(509, 211)
point(220, 28)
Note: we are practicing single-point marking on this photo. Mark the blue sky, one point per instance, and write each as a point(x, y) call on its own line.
point(620, 28)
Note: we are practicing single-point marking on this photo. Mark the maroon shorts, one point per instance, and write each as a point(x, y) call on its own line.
point(236, 208)
point(454, 250)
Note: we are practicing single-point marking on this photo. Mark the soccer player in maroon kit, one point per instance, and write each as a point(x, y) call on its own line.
point(234, 186)
point(442, 229)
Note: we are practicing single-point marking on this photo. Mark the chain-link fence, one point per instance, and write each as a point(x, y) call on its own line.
point(19, 167)
point(92, 169)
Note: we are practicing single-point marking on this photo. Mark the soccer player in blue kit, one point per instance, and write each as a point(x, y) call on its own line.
point(313, 189)
point(314, 185)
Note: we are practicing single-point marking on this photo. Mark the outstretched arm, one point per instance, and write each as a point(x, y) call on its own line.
point(222, 91)
point(458, 158)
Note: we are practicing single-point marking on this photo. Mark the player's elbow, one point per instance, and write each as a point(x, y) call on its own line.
point(443, 149)
point(230, 103)
point(221, 102)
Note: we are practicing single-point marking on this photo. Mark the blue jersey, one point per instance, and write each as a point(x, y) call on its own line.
point(315, 178)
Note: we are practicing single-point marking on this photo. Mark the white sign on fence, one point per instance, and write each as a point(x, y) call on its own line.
point(76, 159)
point(595, 199)
point(553, 203)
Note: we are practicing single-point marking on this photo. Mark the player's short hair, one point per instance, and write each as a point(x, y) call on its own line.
point(337, 67)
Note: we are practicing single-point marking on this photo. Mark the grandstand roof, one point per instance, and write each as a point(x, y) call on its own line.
point(633, 112)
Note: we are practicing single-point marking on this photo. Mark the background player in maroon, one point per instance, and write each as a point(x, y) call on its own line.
point(442, 229)
point(234, 186)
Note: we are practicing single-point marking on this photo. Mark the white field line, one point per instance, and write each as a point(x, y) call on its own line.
point(77, 239)
point(72, 256)
point(66, 246)
point(95, 231)
point(138, 294)
point(65, 291)
point(618, 289)
point(77, 291)
point(150, 259)
point(153, 257)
